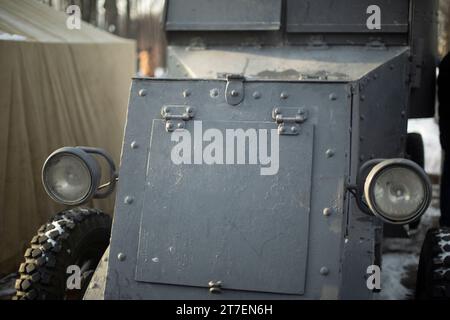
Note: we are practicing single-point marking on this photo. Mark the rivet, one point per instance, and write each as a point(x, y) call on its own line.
point(169, 126)
point(362, 98)
point(362, 118)
point(328, 212)
point(277, 111)
point(324, 271)
point(214, 93)
point(281, 129)
point(215, 286)
point(166, 109)
point(121, 256)
point(284, 95)
point(362, 158)
point(329, 153)
point(214, 290)
point(333, 96)
point(134, 145)
point(180, 125)
point(234, 93)
point(189, 110)
point(128, 200)
point(256, 95)
point(93, 285)
point(186, 93)
point(142, 92)
point(403, 114)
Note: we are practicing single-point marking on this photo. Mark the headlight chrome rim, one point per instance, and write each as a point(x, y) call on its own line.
point(381, 168)
point(87, 161)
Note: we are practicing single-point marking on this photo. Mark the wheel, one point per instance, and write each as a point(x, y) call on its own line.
point(433, 276)
point(75, 237)
point(414, 149)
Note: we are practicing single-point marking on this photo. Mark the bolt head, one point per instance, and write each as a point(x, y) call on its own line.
point(121, 256)
point(234, 93)
point(134, 145)
point(169, 126)
point(327, 212)
point(284, 95)
point(293, 129)
point(214, 93)
point(142, 92)
point(256, 95)
point(329, 153)
point(128, 200)
point(324, 271)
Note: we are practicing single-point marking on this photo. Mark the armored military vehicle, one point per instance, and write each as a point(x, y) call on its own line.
point(264, 165)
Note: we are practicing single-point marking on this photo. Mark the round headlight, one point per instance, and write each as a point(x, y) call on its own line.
point(70, 176)
point(398, 191)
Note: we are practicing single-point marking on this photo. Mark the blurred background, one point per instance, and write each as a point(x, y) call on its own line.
point(140, 20)
point(132, 19)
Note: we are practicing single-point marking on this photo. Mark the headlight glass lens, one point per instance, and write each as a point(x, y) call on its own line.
point(399, 193)
point(67, 178)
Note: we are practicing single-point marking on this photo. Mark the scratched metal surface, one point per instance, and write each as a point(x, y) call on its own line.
point(328, 106)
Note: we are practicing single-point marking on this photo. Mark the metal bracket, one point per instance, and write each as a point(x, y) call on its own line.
point(289, 120)
point(176, 116)
point(234, 92)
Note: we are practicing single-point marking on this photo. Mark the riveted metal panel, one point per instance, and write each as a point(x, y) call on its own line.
point(327, 106)
point(227, 222)
point(331, 16)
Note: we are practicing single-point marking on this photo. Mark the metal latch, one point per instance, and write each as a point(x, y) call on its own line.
point(289, 120)
point(234, 91)
point(176, 116)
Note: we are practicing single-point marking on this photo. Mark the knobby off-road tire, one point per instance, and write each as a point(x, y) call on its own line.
point(72, 237)
point(433, 276)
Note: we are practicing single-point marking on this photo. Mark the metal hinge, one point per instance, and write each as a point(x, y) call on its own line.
point(176, 116)
point(289, 120)
point(234, 92)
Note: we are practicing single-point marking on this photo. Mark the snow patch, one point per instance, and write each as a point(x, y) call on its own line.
point(394, 269)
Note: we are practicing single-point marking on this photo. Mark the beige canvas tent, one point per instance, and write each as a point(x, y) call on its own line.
point(58, 87)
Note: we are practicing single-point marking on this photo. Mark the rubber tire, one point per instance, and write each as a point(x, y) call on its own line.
point(415, 149)
point(63, 241)
point(433, 276)
point(415, 152)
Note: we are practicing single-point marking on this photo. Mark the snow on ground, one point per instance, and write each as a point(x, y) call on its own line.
point(401, 259)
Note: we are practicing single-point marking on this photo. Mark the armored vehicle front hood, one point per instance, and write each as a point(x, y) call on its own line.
point(281, 63)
